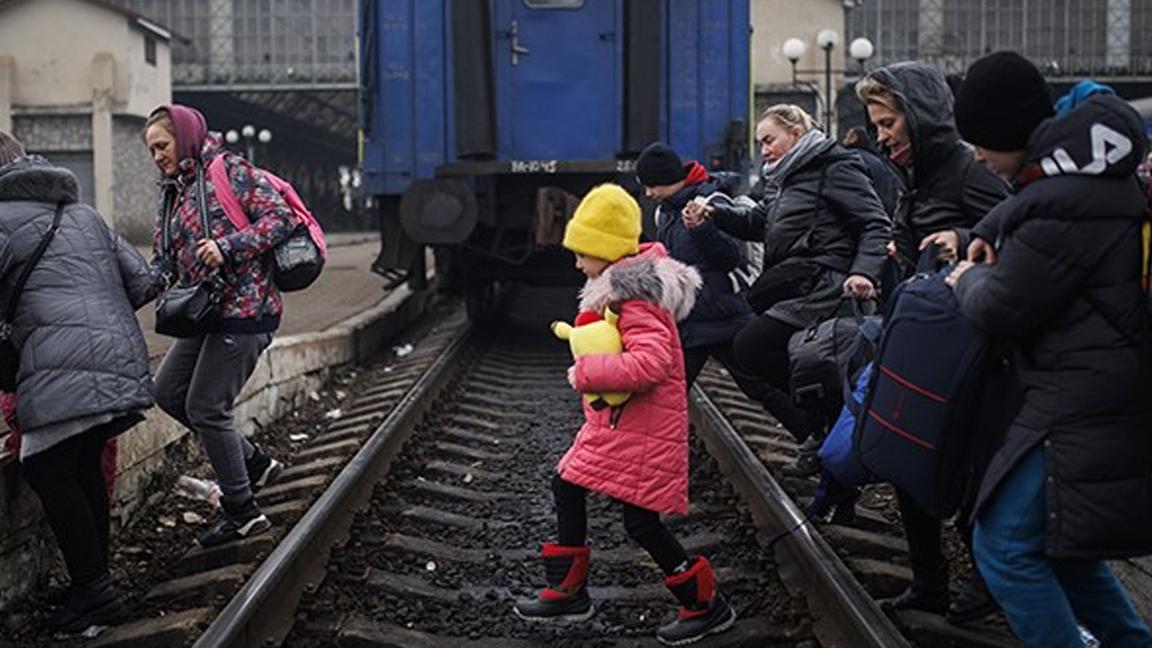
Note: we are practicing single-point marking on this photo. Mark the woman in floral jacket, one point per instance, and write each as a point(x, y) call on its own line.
point(202, 375)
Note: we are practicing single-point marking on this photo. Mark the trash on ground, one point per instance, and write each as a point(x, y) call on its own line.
point(198, 489)
point(298, 438)
point(334, 414)
point(403, 350)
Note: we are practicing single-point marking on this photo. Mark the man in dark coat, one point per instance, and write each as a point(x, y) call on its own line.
point(944, 192)
point(720, 312)
point(1055, 270)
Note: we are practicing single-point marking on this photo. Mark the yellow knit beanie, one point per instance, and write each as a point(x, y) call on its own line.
point(606, 225)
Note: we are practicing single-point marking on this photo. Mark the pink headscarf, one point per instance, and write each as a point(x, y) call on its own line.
point(190, 130)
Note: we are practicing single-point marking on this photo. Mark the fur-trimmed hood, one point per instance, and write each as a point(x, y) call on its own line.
point(34, 179)
point(649, 275)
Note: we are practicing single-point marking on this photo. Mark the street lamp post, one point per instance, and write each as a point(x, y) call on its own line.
point(861, 49)
point(251, 136)
point(827, 40)
point(794, 49)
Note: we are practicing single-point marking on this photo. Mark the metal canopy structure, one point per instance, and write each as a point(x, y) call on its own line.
point(227, 45)
point(1104, 39)
point(293, 58)
point(288, 66)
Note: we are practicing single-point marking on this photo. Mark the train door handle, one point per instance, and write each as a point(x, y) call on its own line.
point(513, 35)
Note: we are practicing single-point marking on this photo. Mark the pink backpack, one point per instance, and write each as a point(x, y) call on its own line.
point(300, 259)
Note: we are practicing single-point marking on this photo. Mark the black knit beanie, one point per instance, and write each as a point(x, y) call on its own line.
point(1002, 100)
point(658, 165)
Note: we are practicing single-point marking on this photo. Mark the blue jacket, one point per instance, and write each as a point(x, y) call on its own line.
point(719, 312)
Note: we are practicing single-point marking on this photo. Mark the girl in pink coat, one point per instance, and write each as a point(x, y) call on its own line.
point(636, 452)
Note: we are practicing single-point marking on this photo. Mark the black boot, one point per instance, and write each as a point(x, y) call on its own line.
point(566, 596)
point(928, 591)
point(807, 464)
point(703, 610)
point(974, 602)
point(100, 603)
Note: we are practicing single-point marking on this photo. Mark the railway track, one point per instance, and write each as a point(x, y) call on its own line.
point(415, 520)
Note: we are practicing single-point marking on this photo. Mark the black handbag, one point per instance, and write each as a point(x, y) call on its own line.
point(298, 261)
point(187, 310)
point(824, 359)
point(9, 354)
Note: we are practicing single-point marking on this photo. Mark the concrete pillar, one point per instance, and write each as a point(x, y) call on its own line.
point(7, 83)
point(103, 173)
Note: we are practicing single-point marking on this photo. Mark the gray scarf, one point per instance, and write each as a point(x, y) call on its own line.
point(800, 153)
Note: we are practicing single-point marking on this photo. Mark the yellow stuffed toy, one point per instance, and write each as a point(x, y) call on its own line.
point(594, 335)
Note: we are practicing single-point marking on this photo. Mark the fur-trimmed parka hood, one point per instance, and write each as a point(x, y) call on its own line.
point(649, 275)
point(34, 179)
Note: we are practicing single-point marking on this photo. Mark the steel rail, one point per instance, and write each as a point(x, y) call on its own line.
point(844, 614)
point(262, 612)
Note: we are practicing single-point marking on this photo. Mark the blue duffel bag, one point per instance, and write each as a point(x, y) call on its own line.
point(915, 426)
point(837, 454)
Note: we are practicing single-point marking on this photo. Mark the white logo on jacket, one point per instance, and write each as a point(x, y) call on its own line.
point(1108, 147)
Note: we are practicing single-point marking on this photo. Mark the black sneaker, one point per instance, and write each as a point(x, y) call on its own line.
point(682, 631)
point(98, 604)
point(974, 602)
point(235, 522)
point(262, 469)
point(933, 598)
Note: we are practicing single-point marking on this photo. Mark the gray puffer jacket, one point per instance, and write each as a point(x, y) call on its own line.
point(81, 350)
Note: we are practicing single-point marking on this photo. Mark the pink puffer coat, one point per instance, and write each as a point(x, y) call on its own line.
point(637, 452)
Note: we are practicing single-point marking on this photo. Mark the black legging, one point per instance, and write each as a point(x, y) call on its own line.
point(762, 347)
point(777, 401)
point(643, 526)
point(68, 479)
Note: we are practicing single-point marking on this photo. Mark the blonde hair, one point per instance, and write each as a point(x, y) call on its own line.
point(790, 117)
point(871, 91)
point(160, 116)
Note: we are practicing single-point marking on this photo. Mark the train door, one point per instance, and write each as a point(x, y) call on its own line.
point(557, 78)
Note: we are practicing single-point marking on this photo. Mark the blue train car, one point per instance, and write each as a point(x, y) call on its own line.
point(484, 121)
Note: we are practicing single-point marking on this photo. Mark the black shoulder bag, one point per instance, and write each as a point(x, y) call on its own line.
point(793, 276)
point(186, 311)
point(9, 354)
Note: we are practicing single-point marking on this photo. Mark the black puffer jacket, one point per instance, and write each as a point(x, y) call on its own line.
point(1066, 291)
point(945, 188)
point(820, 222)
point(81, 349)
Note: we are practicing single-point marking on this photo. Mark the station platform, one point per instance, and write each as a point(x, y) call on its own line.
point(346, 288)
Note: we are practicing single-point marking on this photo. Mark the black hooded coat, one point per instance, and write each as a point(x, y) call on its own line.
point(1065, 291)
point(945, 188)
